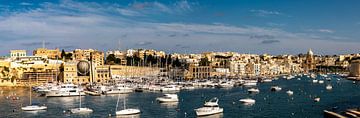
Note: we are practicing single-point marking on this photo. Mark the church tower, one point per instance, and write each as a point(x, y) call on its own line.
point(310, 61)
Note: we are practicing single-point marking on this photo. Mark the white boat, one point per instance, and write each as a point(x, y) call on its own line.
point(125, 111)
point(119, 89)
point(80, 109)
point(211, 107)
point(315, 81)
point(170, 88)
point(276, 88)
point(65, 90)
point(253, 90)
point(317, 99)
point(289, 92)
point(33, 107)
point(168, 98)
point(329, 87)
point(250, 84)
point(328, 79)
point(267, 80)
point(226, 84)
point(321, 81)
point(247, 101)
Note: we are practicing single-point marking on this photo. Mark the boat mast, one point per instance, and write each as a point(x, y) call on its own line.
point(30, 90)
point(124, 103)
point(79, 96)
point(117, 103)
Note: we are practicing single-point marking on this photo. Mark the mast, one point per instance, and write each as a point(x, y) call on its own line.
point(124, 103)
point(79, 95)
point(117, 103)
point(30, 90)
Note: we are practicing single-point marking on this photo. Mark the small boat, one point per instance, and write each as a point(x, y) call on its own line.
point(33, 107)
point(321, 81)
point(125, 111)
point(253, 90)
point(317, 99)
point(250, 84)
point(267, 80)
point(247, 101)
point(315, 81)
point(81, 110)
point(211, 107)
point(289, 92)
point(276, 88)
point(328, 79)
point(168, 98)
point(329, 87)
point(139, 89)
point(170, 88)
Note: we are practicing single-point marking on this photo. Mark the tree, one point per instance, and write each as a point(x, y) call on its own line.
point(204, 62)
point(110, 59)
point(63, 54)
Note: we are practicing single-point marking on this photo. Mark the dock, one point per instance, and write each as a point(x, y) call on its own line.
point(330, 114)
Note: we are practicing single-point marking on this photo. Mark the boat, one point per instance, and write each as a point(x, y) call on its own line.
point(211, 107)
point(226, 84)
point(253, 90)
point(289, 92)
point(321, 81)
point(315, 81)
point(328, 87)
point(328, 79)
point(247, 101)
point(119, 89)
point(168, 98)
point(275, 88)
point(33, 107)
point(250, 84)
point(169, 88)
point(317, 99)
point(267, 80)
point(126, 111)
point(80, 109)
point(65, 90)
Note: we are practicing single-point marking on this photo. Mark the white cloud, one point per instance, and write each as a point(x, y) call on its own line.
point(321, 30)
point(26, 4)
point(260, 12)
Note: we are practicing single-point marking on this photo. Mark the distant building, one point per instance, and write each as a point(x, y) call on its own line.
point(309, 64)
point(17, 53)
point(47, 53)
point(354, 68)
point(198, 72)
point(102, 74)
point(96, 56)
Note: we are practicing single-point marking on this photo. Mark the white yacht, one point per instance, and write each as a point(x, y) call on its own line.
point(33, 107)
point(80, 109)
point(289, 92)
point(168, 98)
point(276, 88)
point(119, 89)
point(170, 88)
point(250, 84)
point(65, 90)
point(253, 90)
point(125, 111)
point(315, 81)
point(247, 101)
point(226, 84)
point(321, 81)
point(329, 87)
point(211, 107)
point(267, 80)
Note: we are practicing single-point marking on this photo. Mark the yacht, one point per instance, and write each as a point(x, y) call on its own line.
point(65, 90)
point(168, 98)
point(267, 80)
point(289, 92)
point(276, 88)
point(80, 109)
point(226, 84)
point(126, 111)
point(247, 101)
point(250, 84)
point(321, 81)
point(169, 88)
point(253, 90)
point(211, 107)
point(119, 89)
point(329, 87)
point(315, 81)
point(33, 107)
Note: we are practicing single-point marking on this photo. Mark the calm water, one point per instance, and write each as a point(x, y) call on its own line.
point(269, 104)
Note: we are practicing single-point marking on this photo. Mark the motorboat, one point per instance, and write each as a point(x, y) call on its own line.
point(329, 87)
point(119, 89)
point(276, 88)
point(267, 80)
point(250, 84)
point(65, 90)
point(247, 101)
point(321, 81)
point(315, 81)
point(168, 98)
point(253, 90)
point(317, 99)
point(226, 84)
point(289, 92)
point(211, 107)
point(81, 110)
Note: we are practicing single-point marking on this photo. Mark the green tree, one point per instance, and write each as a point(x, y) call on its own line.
point(204, 62)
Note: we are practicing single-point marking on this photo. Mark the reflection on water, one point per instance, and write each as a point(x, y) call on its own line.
point(220, 115)
point(128, 116)
point(170, 104)
point(35, 112)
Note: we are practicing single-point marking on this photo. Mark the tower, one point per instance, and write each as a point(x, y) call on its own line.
point(310, 61)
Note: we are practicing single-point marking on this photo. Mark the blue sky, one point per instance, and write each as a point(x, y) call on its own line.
point(245, 26)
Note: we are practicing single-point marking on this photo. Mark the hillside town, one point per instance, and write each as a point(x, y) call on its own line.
point(55, 65)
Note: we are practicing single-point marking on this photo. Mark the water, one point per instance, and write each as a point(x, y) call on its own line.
point(268, 104)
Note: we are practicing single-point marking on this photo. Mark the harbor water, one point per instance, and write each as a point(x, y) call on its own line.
point(269, 104)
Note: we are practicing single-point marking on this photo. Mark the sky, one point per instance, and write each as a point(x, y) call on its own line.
point(183, 26)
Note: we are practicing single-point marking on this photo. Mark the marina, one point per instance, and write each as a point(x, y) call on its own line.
point(268, 104)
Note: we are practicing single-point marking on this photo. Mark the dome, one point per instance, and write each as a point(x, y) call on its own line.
point(83, 67)
point(310, 52)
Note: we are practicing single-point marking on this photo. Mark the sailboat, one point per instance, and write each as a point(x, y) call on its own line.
point(33, 107)
point(81, 110)
point(125, 111)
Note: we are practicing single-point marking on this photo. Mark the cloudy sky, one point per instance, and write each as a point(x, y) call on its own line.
point(245, 26)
